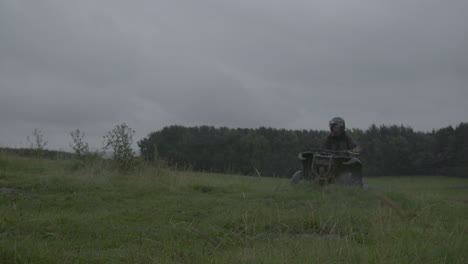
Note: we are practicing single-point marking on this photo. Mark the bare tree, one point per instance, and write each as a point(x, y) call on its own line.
point(38, 142)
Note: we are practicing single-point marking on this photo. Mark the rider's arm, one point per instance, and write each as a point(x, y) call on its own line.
point(354, 147)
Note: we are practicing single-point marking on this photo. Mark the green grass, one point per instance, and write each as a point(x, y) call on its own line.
point(65, 212)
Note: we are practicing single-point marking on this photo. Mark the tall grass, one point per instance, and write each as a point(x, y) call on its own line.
point(68, 212)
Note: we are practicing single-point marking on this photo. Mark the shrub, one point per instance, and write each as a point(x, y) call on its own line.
point(120, 139)
point(79, 146)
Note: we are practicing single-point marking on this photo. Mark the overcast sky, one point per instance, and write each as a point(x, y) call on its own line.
point(91, 65)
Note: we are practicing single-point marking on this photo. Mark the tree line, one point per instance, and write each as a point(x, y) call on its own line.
point(386, 150)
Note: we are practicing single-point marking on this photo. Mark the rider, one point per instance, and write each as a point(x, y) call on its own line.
point(338, 139)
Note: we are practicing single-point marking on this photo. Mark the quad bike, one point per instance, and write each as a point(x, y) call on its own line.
point(323, 166)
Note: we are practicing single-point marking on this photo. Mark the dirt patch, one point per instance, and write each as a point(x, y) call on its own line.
point(204, 188)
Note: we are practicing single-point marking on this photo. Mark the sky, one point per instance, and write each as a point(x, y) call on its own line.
point(91, 65)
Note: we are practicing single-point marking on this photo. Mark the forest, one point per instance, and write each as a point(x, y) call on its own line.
point(386, 150)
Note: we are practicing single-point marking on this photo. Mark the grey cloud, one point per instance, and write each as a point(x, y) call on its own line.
point(93, 64)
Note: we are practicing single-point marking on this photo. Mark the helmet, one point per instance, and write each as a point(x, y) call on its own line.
point(337, 121)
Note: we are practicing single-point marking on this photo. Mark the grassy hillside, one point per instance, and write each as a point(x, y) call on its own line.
point(63, 212)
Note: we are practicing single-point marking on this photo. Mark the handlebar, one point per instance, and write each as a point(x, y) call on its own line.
point(328, 153)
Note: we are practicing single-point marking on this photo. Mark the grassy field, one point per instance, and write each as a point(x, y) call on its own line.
point(63, 212)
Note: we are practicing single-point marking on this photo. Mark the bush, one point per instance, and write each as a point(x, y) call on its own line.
point(79, 146)
point(120, 139)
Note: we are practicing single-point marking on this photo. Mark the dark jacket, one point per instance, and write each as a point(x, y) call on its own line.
point(343, 142)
